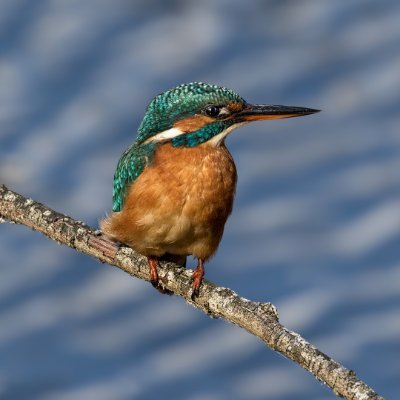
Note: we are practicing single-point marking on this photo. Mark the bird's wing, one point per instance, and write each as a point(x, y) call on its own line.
point(129, 167)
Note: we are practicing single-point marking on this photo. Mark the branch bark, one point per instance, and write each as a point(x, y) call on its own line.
point(260, 319)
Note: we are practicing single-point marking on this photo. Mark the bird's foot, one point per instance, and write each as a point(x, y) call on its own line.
point(154, 280)
point(197, 278)
point(153, 264)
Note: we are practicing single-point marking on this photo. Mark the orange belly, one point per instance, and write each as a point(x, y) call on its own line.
point(179, 204)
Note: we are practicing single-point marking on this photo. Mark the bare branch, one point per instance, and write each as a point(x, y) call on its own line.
point(260, 319)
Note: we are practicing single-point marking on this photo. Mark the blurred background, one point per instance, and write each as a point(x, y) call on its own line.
point(316, 224)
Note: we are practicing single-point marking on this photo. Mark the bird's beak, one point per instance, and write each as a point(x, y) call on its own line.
point(254, 112)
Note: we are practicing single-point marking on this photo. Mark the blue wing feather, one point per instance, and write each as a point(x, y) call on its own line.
point(130, 166)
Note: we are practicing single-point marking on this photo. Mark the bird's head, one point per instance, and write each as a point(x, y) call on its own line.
point(194, 113)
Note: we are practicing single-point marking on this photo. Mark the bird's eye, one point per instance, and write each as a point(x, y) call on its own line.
point(212, 111)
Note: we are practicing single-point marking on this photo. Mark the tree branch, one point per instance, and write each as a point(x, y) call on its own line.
point(260, 319)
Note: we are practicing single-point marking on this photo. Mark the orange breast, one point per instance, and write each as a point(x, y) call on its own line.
point(179, 204)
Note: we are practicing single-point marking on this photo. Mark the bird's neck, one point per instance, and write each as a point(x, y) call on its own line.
point(200, 136)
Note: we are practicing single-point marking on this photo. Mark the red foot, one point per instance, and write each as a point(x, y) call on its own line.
point(197, 278)
point(153, 264)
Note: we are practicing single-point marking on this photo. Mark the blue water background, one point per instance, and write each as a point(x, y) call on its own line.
point(316, 223)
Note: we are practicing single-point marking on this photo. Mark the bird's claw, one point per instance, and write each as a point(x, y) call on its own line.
point(195, 293)
point(154, 283)
point(197, 278)
point(154, 280)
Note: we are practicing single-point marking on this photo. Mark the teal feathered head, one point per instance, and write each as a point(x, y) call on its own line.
point(183, 102)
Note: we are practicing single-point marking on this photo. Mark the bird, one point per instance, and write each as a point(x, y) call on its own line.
point(174, 187)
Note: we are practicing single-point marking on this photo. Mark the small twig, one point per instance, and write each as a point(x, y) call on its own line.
point(260, 319)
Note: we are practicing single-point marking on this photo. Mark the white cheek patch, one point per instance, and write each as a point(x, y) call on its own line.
point(218, 139)
point(165, 135)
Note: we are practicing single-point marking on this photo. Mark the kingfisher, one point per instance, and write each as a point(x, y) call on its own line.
point(174, 186)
